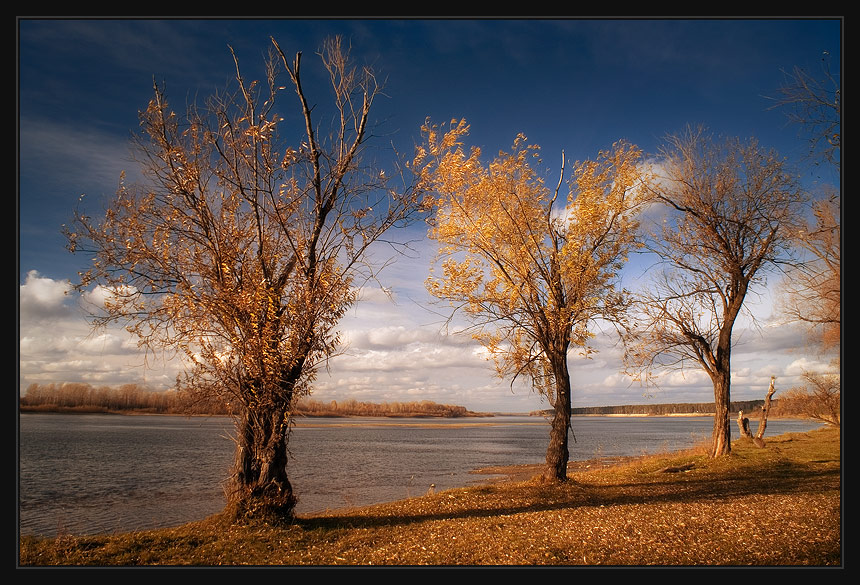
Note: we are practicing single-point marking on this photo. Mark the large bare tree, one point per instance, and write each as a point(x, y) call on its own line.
point(245, 246)
point(730, 210)
point(530, 271)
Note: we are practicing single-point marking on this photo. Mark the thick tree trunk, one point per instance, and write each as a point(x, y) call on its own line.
point(721, 376)
point(557, 453)
point(260, 487)
point(721, 369)
point(722, 434)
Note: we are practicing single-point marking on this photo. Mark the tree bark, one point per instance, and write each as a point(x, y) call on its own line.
point(744, 425)
point(722, 433)
point(765, 410)
point(558, 453)
point(260, 486)
point(721, 375)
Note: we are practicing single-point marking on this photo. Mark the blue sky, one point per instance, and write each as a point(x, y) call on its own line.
point(572, 85)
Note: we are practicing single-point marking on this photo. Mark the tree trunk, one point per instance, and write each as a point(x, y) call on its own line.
point(765, 410)
point(260, 487)
point(557, 453)
point(722, 434)
point(721, 376)
point(744, 425)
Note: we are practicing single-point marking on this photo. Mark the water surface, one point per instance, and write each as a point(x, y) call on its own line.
point(93, 473)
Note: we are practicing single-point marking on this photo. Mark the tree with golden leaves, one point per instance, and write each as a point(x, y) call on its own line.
point(532, 273)
point(730, 213)
point(245, 247)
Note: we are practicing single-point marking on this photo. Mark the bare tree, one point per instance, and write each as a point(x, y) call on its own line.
point(245, 248)
point(729, 209)
point(811, 291)
point(820, 400)
point(814, 103)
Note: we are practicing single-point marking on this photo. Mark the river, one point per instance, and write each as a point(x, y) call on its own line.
point(101, 473)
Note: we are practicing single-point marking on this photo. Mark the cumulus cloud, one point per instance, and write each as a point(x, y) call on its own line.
point(805, 364)
point(106, 343)
point(57, 344)
point(42, 298)
point(394, 351)
point(411, 356)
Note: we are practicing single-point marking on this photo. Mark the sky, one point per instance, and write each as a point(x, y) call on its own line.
point(572, 85)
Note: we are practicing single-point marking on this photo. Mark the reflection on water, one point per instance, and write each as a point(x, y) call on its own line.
point(107, 473)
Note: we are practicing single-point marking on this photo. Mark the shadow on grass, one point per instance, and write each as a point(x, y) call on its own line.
point(654, 488)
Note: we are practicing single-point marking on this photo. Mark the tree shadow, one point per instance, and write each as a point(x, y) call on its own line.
point(781, 480)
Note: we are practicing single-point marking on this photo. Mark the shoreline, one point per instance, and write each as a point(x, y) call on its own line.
point(528, 471)
point(778, 506)
point(299, 416)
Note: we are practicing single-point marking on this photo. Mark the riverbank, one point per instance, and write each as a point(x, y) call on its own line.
point(302, 415)
point(90, 409)
point(776, 506)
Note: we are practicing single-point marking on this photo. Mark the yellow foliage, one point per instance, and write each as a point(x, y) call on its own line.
point(531, 275)
point(240, 251)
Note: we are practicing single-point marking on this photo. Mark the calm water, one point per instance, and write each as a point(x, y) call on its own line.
point(86, 474)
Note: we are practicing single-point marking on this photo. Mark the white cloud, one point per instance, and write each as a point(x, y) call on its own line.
point(43, 298)
point(397, 351)
point(106, 343)
point(57, 344)
point(374, 294)
point(97, 298)
point(805, 364)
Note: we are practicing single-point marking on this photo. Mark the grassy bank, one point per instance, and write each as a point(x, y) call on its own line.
point(775, 506)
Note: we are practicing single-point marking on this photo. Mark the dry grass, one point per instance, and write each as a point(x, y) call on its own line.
point(775, 506)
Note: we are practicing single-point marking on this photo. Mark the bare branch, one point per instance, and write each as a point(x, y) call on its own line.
point(732, 210)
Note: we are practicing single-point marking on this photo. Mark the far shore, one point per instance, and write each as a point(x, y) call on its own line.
point(301, 415)
point(646, 414)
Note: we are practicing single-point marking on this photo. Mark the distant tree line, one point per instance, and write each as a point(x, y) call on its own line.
point(669, 408)
point(352, 407)
point(137, 398)
point(82, 397)
point(784, 407)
